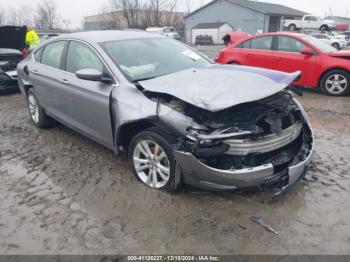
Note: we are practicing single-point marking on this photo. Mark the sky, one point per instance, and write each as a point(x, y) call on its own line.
point(75, 10)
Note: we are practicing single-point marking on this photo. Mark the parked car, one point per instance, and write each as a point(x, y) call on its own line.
point(165, 31)
point(337, 42)
point(346, 34)
point(321, 65)
point(12, 51)
point(310, 22)
point(153, 98)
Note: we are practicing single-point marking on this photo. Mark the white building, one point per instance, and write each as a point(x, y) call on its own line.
point(214, 30)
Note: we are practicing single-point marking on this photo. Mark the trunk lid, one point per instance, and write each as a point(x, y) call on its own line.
point(217, 87)
point(13, 37)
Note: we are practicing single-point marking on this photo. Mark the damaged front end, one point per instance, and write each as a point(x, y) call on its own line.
point(264, 144)
point(9, 59)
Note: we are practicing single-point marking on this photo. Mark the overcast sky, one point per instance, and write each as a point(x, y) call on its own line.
point(75, 10)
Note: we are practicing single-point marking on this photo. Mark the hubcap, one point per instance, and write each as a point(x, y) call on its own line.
point(336, 84)
point(33, 108)
point(151, 164)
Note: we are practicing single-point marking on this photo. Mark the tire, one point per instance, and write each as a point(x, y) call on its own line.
point(336, 46)
point(324, 28)
point(292, 27)
point(232, 63)
point(336, 82)
point(157, 172)
point(36, 112)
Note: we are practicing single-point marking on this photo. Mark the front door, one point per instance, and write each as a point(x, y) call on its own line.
point(289, 59)
point(85, 103)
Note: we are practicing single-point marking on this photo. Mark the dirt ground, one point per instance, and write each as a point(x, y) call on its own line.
point(61, 193)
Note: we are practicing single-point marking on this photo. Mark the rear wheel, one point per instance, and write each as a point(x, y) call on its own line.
point(37, 114)
point(151, 158)
point(292, 27)
point(324, 28)
point(336, 82)
point(336, 46)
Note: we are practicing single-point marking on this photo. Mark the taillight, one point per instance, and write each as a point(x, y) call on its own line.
point(25, 53)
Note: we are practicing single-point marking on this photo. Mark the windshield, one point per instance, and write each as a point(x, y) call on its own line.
point(152, 57)
point(324, 47)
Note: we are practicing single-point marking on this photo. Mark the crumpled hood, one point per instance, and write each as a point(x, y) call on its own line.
point(13, 37)
point(217, 87)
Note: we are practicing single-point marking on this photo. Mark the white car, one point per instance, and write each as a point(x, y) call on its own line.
point(310, 22)
point(166, 31)
point(337, 43)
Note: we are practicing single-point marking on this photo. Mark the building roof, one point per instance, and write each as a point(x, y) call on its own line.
point(266, 8)
point(209, 25)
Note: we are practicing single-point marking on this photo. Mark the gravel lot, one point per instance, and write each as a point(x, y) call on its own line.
point(61, 193)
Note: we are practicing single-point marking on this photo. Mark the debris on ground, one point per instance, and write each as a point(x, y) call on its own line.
point(261, 222)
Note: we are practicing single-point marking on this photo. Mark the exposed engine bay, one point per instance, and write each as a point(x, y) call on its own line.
point(270, 130)
point(9, 61)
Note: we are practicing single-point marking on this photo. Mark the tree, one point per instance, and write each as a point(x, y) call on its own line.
point(46, 16)
point(2, 16)
point(188, 6)
point(130, 8)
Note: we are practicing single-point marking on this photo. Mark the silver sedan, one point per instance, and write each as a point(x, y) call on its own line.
point(179, 117)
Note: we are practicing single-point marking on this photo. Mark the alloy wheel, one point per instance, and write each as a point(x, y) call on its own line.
point(336, 83)
point(151, 164)
point(33, 108)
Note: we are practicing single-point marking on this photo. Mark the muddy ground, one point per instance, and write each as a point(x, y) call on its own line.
point(61, 193)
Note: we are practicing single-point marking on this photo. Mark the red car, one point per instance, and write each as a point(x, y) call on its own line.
point(321, 64)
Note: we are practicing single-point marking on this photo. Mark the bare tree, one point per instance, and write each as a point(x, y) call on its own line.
point(170, 17)
point(46, 16)
point(188, 6)
point(157, 7)
point(15, 16)
point(130, 9)
point(2, 16)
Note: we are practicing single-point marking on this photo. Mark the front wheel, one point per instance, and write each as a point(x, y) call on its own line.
point(336, 83)
point(152, 160)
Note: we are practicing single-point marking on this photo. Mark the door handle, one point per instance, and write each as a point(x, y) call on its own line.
point(65, 81)
point(35, 72)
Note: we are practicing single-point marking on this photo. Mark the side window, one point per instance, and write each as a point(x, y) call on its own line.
point(288, 44)
point(245, 44)
point(52, 54)
point(261, 43)
point(80, 56)
point(37, 55)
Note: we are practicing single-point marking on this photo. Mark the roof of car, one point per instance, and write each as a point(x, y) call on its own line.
point(279, 33)
point(107, 35)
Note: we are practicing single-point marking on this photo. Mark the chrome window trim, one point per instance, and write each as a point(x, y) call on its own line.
point(116, 84)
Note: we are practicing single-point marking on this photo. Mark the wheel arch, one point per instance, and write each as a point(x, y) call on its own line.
point(328, 70)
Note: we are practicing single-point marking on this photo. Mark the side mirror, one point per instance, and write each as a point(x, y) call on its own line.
point(89, 74)
point(307, 51)
point(93, 75)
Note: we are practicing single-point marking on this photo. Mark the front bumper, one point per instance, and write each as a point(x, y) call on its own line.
point(199, 174)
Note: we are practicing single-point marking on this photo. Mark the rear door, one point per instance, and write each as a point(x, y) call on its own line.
point(46, 73)
point(289, 59)
point(257, 52)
